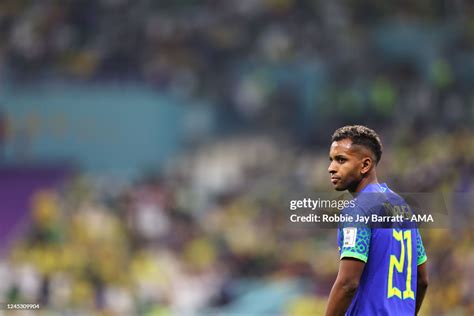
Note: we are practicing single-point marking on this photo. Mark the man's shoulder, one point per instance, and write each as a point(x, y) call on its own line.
point(374, 199)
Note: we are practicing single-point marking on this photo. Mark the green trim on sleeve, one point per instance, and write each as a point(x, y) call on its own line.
point(349, 254)
point(422, 260)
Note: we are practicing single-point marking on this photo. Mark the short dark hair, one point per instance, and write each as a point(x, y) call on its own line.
point(360, 135)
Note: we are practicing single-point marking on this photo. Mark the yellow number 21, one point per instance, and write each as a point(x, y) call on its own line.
point(399, 265)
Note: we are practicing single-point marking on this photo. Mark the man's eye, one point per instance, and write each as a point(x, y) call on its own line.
point(341, 160)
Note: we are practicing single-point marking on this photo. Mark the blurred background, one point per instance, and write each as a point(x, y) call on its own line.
point(148, 148)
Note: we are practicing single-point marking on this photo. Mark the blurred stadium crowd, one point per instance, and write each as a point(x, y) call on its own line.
point(257, 57)
point(208, 234)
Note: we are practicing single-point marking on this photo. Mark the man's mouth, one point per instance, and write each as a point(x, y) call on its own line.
point(334, 180)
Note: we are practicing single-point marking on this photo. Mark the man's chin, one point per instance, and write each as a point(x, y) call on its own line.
point(339, 188)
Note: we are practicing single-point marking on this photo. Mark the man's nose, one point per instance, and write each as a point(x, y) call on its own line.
point(331, 168)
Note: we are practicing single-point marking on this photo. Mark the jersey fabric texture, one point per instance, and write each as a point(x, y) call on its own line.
point(388, 282)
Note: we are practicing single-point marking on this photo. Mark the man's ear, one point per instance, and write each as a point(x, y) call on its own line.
point(367, 164)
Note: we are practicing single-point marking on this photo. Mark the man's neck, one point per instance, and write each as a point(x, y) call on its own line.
point(369, 179)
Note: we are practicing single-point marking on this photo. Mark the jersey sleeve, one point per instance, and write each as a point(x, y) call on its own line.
point(354, 242)
point(420, 250)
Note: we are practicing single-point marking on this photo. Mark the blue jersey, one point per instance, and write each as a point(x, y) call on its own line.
point(388, 282)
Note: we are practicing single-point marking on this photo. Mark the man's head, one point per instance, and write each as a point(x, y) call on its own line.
point(354, 153)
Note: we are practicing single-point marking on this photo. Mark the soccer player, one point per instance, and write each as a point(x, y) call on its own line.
point(382, 271)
